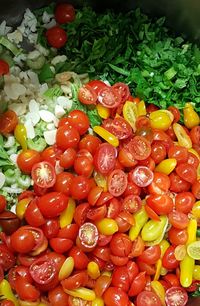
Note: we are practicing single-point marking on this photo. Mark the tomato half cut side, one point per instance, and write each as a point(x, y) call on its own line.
point(43, 270)
point(140, 147)
point(8, 122)
point(87, 95)
point(104, 158)
point(132, 203)
point(109, 97)
point(118, 127)
point(88, 235)
point(117, 182)
point(142, 176)
point(123, 90)
point(43, 174)
point(148, 298)
point(176, 296)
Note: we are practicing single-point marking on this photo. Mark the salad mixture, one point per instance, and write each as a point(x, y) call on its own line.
point(99, 161)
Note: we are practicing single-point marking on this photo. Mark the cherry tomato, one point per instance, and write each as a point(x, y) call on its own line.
point(126, 159)
point(118, 127)
point(184, 202)
point(98, 213)
point(97, 85)
point(148, 298)
point(52, 204)
point(83, 166)
point(117, 182)
point(137, 247)
point(195, 135)
point(120, 245)
point(64, 13)
point(2, 203)
point(162, 204)
point(160, 183)
point(120, 278)
point(79, 120)
point(140, 147)
point(178, 219)
point(179, 153)
point(43, 174)
point(151, 213)
point(88, 236)
point(80, 258)
point(172, 279)
point(142, 176)
point(70, 231)
point(87, 95)
point(158, 151)
point(102, 283)
point(169, 261)
point(124, 221)
point(22, 241)
point(104, 158)
point(176, 113)
point(51, 155)
point(7, 259)
point(63, 182)
point(90, 143)
point(117, 261)
point(196, 189)
point(150, 255)
point(104, 240)
point(102, 253)
point(80, 187)
point(33, 215)
point(123, 90)
point(43, 270)
point(178, 184)
point(26, 291)
point(176, 296)
point(109, 97)
point(7, 303)
point(8, 120)
point(51, 228)
point(56, 37)
point(132, 203)
point(138, 284)
point(145, 267)
point(81, 212)
point(115, 296)
point(67, 137)
point(132, 188)
point(67, 158)
point(113, 208)
point(187, 172)
point(193, 160)
point(79, 279)
point(60, 245)
point(177, 236)
point(57, 296)
point(4, 67)
point(27, 159)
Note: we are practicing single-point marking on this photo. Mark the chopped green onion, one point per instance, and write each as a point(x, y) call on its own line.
point(9, 45)
point(53, 92)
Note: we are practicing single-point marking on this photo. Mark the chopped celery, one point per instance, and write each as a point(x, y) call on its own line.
point(53, 92)
point(9, 45)
point(37, 63)
point(37, 144)
point(10, 176)
point(23, 181)
point(40, 128)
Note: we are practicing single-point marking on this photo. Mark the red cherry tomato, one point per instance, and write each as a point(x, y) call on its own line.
point(22, 241)
point(172, 280)
point(56, 37)
point(81, 212)
point(158, 151)
point(67, 137)
point(120, 278)
point(115, 296)
point(43, 174)
point(104, 158)
point(88, 236)
point(7, 259)
point(195, 135)
point(26, 291)
point(43, 270)
point(87, 95)
point(33, 215)
point(123, 90)
point(80, 258)
point(52, 204)
point(67, 158)
point(80, 187)
point(51, 155)
point(70, 231)
point(27, 159)
point(184, 202)
point(150, 255)
point(4, 67)
point(178, 184)
point(118, 127)
point(109, 97)
point(148, 298)
point(187, 172)
point(142, 176)
point(169, 261)
point(79, 120)
point(161, 204)
point(83, 166)
point(60, 245)
point(79, 279)
point(160, 183)
point(57, 296)
point(177, 236)
point(176, 113)
point(98, 213)
point(117, 182)
point(8, 120)
point(176, 296)
point(120, 245)
point(2, 203)
point(51, 228)
point(138, 284)
point(196, 189)
point(178, 219)
point(140, 147)
point(63, 182)
point(90, 143)
point(132, 203)
point(97, 85)
point(179, 153)
point(64, 13)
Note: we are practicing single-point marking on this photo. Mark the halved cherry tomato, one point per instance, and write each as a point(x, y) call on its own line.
point(148, 298)
point(19, 271)
point(26, 291)
point(178, 184)
point(83, 166)
point(180, 153)
point(80, 258)
point(187, 172)
point(176, 296)
point(151, 213)
point(140, 147)
point(137, 247)
point(43, 270)
point(88, 236)
point(113, 208)
point(87, 95)
point(97, 85)
point(142, 176)
point(109, 97)
point(132, 203)
point(138, 284)
point(97, 213)
point(51, 154)
point(172, 279)
point(177, 236)
point(104, 158)
point(178, 219)
point(80, 187)
point(151, 254)
point(22, 240)
point(162, 204)
point(117, 182)
point(8, 121)
point(57, 297)
point(81, 212)
point(7, 259)
point(90, 143)
point(160, 183)
point(169, 261)
point(60, 245)
point(123, 90)
point(184, 202)
point(120, 278)
point(120, 245)
point(33, 215)
point(158, 151)
point(63, 182)
point(118, 127)
point(50, 228)
point(115, 296)
point(79, 279)
point(43, 174)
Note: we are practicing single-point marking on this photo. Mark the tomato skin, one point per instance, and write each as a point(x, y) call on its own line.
point(81, 212)
point(67, 137)
point(102, 253)
point(172, 279)
point(2, 203)
point(18, 271)
point(195, 135)
point(83, 166)
point(179, 153)
point(60, 245)
point(8, 121)
point(22, 241)
point(51, 155)
point(132, 189)
point(150, 255)
point(118, 127)
point(178, 184)
point(177, 236)
point(161, 204)
point(33, 215)
point(158, 151)
point(63, 182)
point(187, 172)
point(113, 208)
point(115, 296)
point(51, 228)
point(26, 291)
point(178, 219)
point(80, 187)
point(27, 159)
point(79, 279)
point(117, 182)
point(145, 267)
point(196, 189)
point(120, 245)
point(7, 259)
point(7, 303)
point(160, 183)
point(120, 278)
point(90, 143)
point(56, 37)
point(79, 120)
point(52, 204)
point(104, 240)
point(169, 261)
point(147, 298)
point(80, 258)
point(67, 158)
point(57, 296)
point(184, 202)
point(98, 213)
point(64, 13)
point(104, 158)
point(69, 232)
point(4, 67)
point(176, 296)
point(138, 284)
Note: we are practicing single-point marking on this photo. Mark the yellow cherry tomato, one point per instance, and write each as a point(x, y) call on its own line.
point(93, 270)
point(103, 111)
point(21, 207)
point(183, 138)
point(67, 215)
point(158, 270)
point(196, 272)
point(193, 250)
point(159, 290)
point(107, 226)
point(141, 108)
point(180, 252)
point(154, 229)
point(107, 136)
point(160, 119)
point(141, 218)
point(130, 113)
point(66, 268)
point(193, 151)
point(196, 210)
point(21, 136)
point(190, 117)
point(166, 166)
point(83, 293)
point(6, 292)
point(164, 244)
point(98, 302)
point(28, 303)
point(100, 180)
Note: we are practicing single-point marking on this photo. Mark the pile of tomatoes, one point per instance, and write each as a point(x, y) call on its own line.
point(72, 241)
